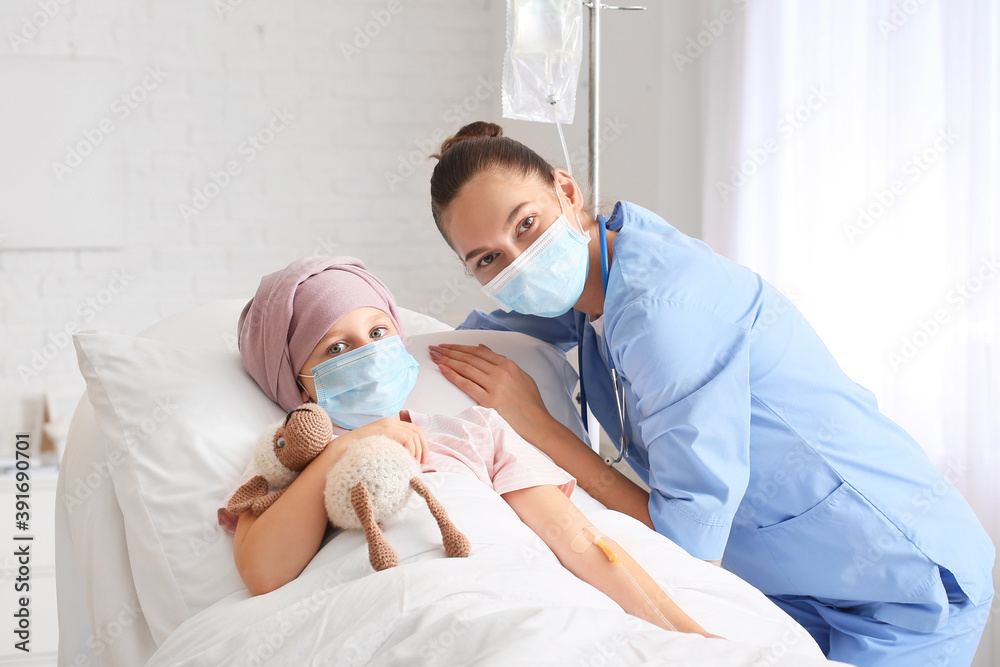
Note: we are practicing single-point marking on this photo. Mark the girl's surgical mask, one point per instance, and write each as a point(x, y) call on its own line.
point(366, 384)
point(548, 277)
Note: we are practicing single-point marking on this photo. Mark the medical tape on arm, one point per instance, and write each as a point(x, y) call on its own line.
point(589, 536)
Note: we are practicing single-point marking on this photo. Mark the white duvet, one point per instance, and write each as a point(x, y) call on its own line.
point(509, 603)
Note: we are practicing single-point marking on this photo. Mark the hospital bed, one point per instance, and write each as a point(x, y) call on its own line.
point(145, 575)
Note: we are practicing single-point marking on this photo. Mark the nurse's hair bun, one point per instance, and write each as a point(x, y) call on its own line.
point(479, 128)
point(475, 148)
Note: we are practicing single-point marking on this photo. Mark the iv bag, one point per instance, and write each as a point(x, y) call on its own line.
point(542, 64)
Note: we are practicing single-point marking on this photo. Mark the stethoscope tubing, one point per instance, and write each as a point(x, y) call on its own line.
point(622, 449)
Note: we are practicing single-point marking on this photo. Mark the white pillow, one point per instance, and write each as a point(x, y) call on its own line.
point(179, 424)
point(555, 377)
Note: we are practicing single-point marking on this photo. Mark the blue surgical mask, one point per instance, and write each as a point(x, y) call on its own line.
point(548, 277)
point(366, 384)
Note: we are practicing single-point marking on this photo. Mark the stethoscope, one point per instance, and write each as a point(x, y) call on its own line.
point(622, 448)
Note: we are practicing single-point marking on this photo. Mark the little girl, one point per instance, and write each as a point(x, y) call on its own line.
point(326, 330)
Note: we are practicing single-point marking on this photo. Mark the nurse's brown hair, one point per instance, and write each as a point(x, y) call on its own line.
point(475, 148)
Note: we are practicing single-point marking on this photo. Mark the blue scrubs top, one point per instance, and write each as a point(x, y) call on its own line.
point(756, 446)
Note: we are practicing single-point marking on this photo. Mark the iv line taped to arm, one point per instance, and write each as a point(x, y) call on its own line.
point(589, 536)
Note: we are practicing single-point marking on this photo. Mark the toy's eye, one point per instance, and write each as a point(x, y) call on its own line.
point(280, 443)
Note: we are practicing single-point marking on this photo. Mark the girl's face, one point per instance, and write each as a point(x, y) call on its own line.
point(356, 329)
point(495, 216)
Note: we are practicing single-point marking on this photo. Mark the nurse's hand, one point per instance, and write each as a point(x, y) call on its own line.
point(493, 381)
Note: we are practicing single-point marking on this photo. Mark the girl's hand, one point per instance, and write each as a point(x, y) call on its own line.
point(408, 435)
point(493, 381)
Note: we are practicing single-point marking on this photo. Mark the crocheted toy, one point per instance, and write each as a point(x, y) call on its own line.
point(371, 481)
point(281, 452)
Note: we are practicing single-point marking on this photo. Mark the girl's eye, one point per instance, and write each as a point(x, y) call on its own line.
point(485, 260)
point(378, 332)
point(337, 348)
point(526, 224)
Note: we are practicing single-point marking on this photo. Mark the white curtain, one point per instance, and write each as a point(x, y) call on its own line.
point(853, 159)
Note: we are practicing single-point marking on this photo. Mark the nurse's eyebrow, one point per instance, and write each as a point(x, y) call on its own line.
point(506, 226)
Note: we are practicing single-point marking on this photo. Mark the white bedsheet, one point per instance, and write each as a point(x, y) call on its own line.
point(510, 602)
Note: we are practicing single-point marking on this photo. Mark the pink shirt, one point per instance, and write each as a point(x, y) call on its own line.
point(476, 442)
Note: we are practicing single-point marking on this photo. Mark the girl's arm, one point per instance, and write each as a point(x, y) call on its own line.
point(606, 484)
point(274, 548)
point(554, 518)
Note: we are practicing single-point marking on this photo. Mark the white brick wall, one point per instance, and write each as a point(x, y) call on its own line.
point(326, 184)
point(329, 182)
point(318, 187)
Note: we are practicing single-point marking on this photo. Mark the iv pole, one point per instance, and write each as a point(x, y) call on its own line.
point(593, 139)
point(593, 150)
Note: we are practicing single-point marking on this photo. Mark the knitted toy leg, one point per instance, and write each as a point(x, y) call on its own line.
point(262, 503)
point(380, 553)
point(242, 500)
point(456, 544)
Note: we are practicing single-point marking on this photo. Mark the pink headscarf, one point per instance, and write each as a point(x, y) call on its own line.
point(292, 311)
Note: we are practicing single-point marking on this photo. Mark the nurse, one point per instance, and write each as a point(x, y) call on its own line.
point(760, 453)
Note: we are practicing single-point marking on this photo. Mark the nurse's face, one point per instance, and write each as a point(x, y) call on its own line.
point(496, 216)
